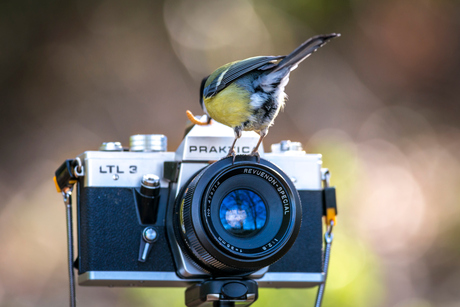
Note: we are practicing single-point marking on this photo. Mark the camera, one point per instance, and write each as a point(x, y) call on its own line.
point(149, 217)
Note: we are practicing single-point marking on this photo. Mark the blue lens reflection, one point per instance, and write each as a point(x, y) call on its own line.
point(243, 213)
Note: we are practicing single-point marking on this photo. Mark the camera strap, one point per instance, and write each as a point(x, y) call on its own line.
point(65, 178)
point(329, 212)
point(328, 236)
point(68, 203)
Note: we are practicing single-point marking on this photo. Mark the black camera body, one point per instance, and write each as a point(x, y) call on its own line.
point(147, 217)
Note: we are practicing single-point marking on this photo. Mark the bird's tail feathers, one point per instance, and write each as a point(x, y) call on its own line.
point(304, 50)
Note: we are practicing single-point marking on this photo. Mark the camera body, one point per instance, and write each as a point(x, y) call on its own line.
point(132, 233)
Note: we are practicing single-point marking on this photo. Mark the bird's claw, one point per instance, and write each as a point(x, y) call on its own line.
point(232, 153)
point(256, 154)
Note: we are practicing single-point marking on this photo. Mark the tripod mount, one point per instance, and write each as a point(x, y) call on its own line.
point(222, 293)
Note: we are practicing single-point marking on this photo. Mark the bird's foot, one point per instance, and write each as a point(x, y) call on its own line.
point(256, 154)
point(232, 153)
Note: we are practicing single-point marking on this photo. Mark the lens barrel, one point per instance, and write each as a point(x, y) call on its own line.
point(237, 217)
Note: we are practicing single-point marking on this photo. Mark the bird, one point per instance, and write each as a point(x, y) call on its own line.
point(247, 95)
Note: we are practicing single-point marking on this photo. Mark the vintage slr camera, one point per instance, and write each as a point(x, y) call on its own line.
point(148, 217)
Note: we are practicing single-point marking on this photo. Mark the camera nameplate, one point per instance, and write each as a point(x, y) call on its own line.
point(127, 167)
point(211, 143)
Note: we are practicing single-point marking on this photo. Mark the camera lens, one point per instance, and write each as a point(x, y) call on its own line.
point(234, 218)
point(243, 213)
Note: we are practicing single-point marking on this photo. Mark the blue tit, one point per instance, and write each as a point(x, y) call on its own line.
point(247, 95)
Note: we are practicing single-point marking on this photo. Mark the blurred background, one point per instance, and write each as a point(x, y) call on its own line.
point(381, 103)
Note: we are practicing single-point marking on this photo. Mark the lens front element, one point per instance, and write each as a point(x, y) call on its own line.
point(242, 213)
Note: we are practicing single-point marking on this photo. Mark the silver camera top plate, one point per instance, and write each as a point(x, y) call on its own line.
point(122, 169)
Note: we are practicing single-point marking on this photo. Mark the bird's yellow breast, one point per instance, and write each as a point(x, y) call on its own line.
point(231, 106)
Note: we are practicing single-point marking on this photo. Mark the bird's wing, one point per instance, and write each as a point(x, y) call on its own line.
point(232, 71)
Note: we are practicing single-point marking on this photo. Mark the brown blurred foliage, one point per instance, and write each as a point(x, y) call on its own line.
point(380, 103)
